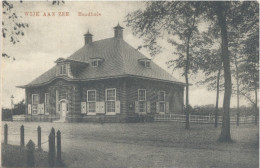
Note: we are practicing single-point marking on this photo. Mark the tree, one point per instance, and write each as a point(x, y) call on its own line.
point(250, 67)
point(159, 16)
point(211, 66)
point(176, 20)
point(233, 14)
point(245, 51)
point(250, 71)
point(221, 19)
point(13, 28)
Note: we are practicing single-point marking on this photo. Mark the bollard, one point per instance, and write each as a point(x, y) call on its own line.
point(59, 147)
point(5, 133)
point(22, 135)
point(39, 137)
point(30, 147)
point(53, 132)
point(51, 155)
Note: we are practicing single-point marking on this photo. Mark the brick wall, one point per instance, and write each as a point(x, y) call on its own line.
point(174, 93)
point(60, 85)
point(126, 93)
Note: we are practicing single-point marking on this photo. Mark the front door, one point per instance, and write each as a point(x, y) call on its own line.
point(63, 110)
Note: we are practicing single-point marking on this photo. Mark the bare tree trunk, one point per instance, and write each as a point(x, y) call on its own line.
point(237, 82)
point(187, 125)
point(225, 130)
point(217, 98)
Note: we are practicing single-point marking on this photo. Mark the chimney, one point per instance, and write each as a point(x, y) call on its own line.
point(118, 31)
point(88, 38)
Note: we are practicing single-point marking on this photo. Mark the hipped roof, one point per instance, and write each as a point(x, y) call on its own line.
point(120, 60)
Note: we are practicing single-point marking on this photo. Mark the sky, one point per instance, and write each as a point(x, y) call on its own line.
point(51, 37)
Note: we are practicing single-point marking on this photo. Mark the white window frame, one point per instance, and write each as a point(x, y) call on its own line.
point(35, 104)
point(144, 94)
point(110, 113)
point(163, 112)
point(145, 64)
point(61, 69)
point(142, 101)
point(93, 63)
point(45, 102)
point(92, 113)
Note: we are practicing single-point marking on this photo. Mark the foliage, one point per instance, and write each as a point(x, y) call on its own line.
point(179, 20)
point(176, 22)
point(6, 114)
point(209, 109)
point(19, 108)
point(13, 28)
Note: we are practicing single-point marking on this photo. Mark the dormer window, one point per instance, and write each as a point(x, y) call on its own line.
point(95, 62)
point(62, 69)
point(145, 62)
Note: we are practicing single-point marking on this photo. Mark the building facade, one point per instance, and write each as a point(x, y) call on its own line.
point(104, 81)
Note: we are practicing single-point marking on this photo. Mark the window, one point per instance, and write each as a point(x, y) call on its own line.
point(63, 95)
point(47, 102)
point(62, 69)
point(161, 96)
point(35, 102)
point(162, 101)
point(142, 100)
point(91, 99)
point(110, 100)
point(147, 64)
point(141, 94)
point(94, 63)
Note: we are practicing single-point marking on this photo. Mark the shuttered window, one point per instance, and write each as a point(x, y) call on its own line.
point(142, 100)
point(91, 97)
point(47, 102)
point(110, 100)
point(35, 102)
point(162, 101)
point(141, 94)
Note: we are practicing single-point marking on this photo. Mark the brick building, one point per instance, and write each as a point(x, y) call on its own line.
point(106, 80)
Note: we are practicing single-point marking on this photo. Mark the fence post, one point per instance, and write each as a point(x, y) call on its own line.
point(59, 147)
point(39, 137)
point(30, 153)
point(5, 133)
point(53, 132)
point(22, 136)
point(51, 154)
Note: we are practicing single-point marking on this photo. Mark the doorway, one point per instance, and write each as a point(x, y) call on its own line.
point(63, 110)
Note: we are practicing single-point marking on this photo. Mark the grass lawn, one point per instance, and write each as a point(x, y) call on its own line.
point(15, 156)
point(147, 144)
